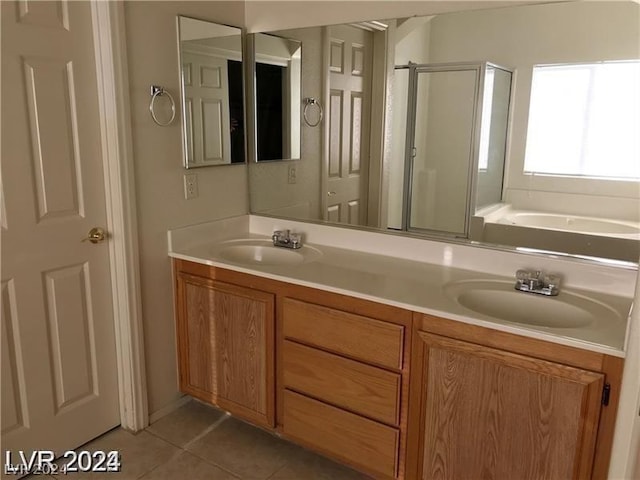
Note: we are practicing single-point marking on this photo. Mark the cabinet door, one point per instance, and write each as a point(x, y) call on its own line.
point(225, 346)
point(487, 413)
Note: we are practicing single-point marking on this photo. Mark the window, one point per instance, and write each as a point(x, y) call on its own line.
point(584, 120)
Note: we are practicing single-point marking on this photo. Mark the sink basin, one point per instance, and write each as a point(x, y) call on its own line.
point(262, 252)
point(499, 300)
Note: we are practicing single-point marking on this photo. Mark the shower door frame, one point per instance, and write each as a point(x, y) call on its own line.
point(414, 70)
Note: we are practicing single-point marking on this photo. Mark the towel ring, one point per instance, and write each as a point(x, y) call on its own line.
point(158, 91)
point(310, 101)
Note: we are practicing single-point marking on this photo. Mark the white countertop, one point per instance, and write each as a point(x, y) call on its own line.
point(409, 284)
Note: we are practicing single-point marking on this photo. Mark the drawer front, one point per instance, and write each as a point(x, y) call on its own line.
point(352, 335)
point(367, 390)
point(346, 436)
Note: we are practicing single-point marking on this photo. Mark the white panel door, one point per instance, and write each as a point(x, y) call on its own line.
point(59, 374)
point(206, 86)
point(349, 105)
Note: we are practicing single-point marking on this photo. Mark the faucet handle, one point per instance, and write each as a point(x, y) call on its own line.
point(295, 239)
point(523, 274)
point(552, 280)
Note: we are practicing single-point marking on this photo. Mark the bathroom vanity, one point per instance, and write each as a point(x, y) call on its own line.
point(412, 358)
point(368, 360)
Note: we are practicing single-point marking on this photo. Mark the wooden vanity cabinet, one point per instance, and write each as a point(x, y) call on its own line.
point(340, 381)
point(225, 344)
point(395, 394)
point(495, 405)
point(343, 379)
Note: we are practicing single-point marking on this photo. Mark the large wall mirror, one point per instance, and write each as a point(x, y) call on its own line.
point(212, 93)
point(523, 118)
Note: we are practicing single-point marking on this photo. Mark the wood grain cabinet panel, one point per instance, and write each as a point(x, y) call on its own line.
point(225, 346)
point(354, 336)
point(473, 409)
point(360, 388)
point(358, 441)
point(486, 413)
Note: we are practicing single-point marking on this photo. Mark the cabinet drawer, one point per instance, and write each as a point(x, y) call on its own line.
point(358, 387)
point(346, 436)
point(352, 335)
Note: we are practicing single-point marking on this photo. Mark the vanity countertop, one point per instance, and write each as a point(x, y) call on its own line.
point(413, 285)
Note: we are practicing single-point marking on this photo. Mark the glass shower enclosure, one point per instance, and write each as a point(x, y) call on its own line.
point(452, 159)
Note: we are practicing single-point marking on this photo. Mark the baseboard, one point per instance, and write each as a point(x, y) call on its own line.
point(166, 410)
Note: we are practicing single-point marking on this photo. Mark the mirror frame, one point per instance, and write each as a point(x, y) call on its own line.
point(245, 92)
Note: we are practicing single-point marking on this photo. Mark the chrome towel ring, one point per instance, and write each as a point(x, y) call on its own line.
point(158, 91)
point(308, 102)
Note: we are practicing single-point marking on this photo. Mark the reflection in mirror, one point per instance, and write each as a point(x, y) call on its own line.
point(442, 149)
point(211, 92)
point(445, 112)
point(493, 136)
point(278, 64)
point(523, 194)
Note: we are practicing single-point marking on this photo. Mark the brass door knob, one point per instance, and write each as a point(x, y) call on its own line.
point(96, 235)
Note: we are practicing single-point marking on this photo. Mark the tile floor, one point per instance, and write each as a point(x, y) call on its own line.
point(198, 442)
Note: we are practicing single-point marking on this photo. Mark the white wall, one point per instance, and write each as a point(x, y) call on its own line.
point(412, 45)
point(626, 442)
point(412, 40)
point(267, 15)
point(153, 59)
point(528, 35)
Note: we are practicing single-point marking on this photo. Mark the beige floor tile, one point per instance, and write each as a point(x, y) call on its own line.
point(187, 466)
point(310, 466)
point(243, 450)
point(139, 454)
point(186, 423)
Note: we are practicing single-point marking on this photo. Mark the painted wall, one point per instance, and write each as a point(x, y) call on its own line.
point(153, 59)
point(412, 44)
point(540, 34)
point(489, 186)
point(267, 15)
point(625, 457)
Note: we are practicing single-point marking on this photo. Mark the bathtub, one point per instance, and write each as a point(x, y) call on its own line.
point(572, 223)
point(556, 232)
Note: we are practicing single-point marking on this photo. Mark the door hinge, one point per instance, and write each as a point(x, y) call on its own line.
point(606, 393)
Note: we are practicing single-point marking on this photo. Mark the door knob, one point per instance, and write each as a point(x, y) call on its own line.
point(331, 194)
point(95, 235)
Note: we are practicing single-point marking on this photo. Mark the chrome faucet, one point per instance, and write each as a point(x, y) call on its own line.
point(286, 239)
point(536, 281)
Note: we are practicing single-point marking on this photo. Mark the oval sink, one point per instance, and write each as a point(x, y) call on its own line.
point(262, 252)
point(499, 300)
